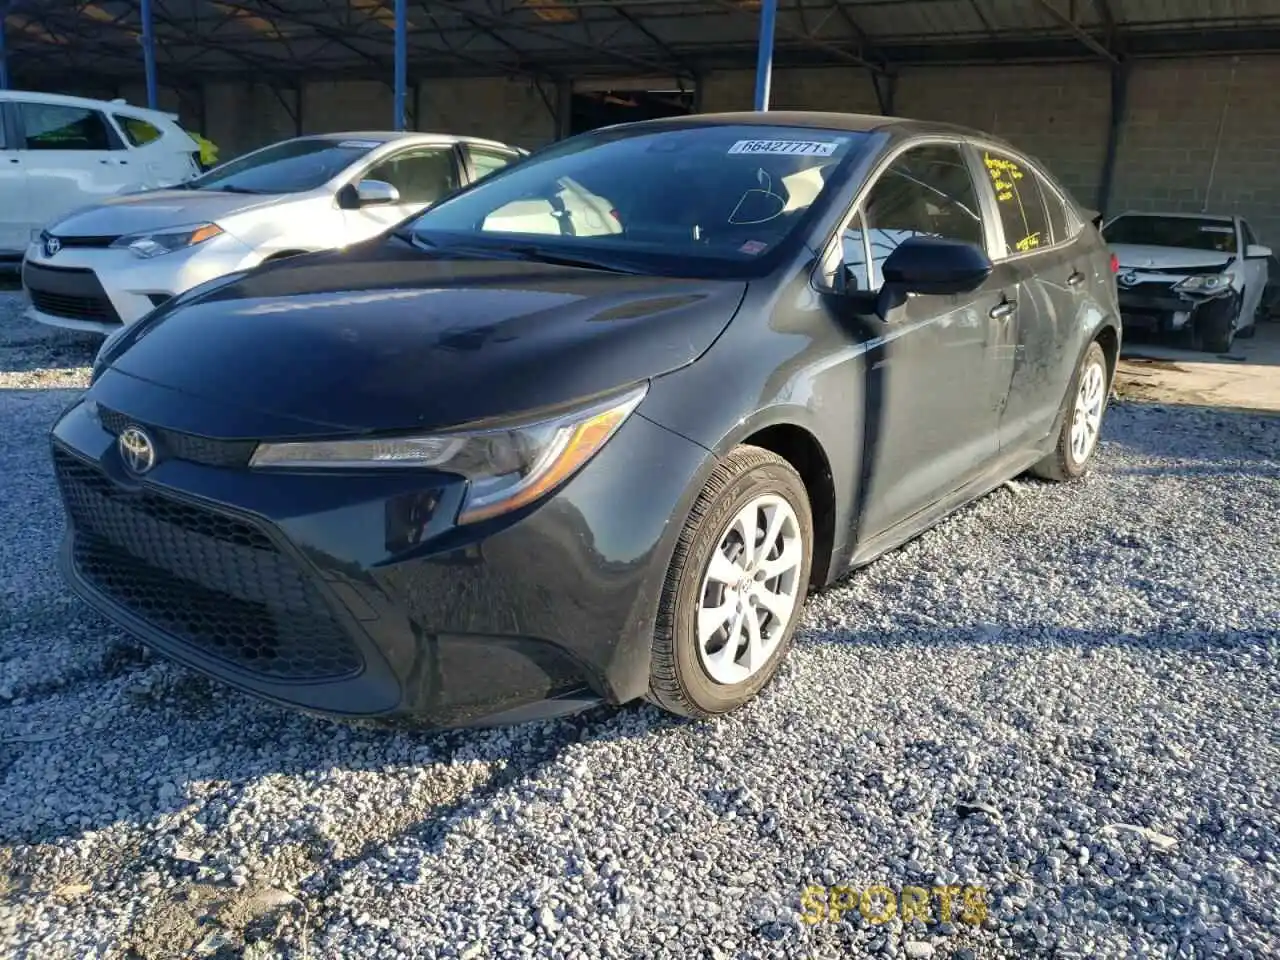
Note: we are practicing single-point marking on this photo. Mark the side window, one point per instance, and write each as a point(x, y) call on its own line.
point(485, 162)
point(926, 192)
point(422, 176)
point(49, 126)
point(138, 132)
point(1059, 223)
point(1022, 209)
point(853, 244)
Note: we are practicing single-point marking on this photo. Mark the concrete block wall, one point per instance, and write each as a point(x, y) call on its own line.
point(1057, 112)
point(1166, 155)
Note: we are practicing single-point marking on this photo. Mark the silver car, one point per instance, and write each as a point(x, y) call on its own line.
point(107, 265)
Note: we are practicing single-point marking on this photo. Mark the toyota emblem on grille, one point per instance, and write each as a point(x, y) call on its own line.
point(1128, 278)
point(136, 449)
point(51, 246)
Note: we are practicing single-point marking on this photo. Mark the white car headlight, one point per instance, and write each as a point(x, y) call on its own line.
point(508, 466)
point(1205, 283)
point(156, 242)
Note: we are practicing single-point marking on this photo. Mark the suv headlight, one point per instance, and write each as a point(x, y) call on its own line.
point(1205, 283)
point(508, 465)
point(157, 242)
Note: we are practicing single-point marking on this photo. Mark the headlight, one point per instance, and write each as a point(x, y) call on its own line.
point(157, 242)
point(1205, 283)
point(507, 466)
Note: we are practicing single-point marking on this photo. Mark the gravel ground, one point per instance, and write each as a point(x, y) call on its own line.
point(1063, 699)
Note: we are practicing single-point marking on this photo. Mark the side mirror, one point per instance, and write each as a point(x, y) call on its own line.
point(367, 193)
point(933, 265)
point(1256, 251)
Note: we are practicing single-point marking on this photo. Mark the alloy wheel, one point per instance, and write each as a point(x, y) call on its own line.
point(750, 590)
point(1087, 417)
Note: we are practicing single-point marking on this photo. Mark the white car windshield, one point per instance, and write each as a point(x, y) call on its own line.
point(1186, 233)
point(676, 199)
point(293, 166)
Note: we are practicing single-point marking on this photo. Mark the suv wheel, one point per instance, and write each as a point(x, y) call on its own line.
point(735, 587)
point(1085, 404)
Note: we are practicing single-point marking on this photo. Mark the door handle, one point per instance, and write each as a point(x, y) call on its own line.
point(1003, 309)
point(1075, 279)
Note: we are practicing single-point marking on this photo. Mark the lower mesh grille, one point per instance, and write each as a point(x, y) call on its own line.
point(214, 582)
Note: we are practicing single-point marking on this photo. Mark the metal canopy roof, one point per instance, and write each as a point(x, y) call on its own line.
point(285, 40)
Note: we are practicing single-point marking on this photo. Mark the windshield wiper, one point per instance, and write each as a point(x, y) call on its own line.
point(520, 251)
point(232, 189)
point(529, 251)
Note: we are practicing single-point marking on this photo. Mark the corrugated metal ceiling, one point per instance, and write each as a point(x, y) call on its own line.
point(548, 38)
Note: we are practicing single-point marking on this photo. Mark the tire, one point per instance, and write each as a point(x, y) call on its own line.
point(1216, 322)
point(1065, 463)
point(683, 675)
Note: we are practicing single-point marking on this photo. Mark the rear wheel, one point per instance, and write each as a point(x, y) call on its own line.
point(1086, 403)
point(735, 587)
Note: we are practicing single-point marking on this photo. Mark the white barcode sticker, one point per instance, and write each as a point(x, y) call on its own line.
point(791, 148)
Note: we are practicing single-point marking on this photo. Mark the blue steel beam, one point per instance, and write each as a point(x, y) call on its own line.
point(764, 56)
point(402, 61)
point(4, 56)
point(149, 55)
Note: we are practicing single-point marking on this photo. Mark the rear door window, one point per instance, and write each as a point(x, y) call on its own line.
point(52, 126)
point(1020, 202)
point(138, 131)
point(485, 161)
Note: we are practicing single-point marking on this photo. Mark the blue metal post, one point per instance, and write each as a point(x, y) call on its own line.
point(764, 56)
point(149, 56)
point(4, 56)
point(402, 61)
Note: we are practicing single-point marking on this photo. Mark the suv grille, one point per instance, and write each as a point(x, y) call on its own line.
point(184, 446)
point(214, 582)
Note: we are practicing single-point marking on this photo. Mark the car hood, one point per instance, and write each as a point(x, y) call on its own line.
point(156, 210)
point(392, 339)
point(1141, 257)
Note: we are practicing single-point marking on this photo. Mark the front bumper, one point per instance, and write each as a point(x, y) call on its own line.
point(1157, 307)
point(100, 289)
point(355, 595)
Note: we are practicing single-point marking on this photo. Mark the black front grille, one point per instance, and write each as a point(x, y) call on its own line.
point(183, 446)
point(89, 243)
point(97, 309)
point(70, 292)
point(212, 581)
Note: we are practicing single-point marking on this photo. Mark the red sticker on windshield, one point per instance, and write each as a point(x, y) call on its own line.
point(753, 246)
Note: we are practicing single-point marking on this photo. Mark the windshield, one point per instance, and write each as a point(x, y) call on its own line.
point(689, 201)
point(1191, 233)
point(290, 167)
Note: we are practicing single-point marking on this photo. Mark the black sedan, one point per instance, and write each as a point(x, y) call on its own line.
point(592, 428)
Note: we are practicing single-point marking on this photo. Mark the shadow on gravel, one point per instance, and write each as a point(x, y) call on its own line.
point(1189, 436)
point(34, 353)
point(229, 741)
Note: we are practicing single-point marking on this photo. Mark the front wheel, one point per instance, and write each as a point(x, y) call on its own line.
point(735, 587)
point(1082, 422)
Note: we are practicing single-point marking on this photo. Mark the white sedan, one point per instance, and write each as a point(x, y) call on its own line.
point(107, 265)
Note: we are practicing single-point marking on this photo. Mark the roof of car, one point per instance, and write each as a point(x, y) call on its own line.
point(845, 122)
point(389, 136)
point(119, 106)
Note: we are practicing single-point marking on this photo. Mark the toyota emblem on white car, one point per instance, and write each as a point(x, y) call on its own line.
point(51, 246)
point(136, 449)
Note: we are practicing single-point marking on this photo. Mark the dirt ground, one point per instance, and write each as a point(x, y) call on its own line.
point(1247, 378)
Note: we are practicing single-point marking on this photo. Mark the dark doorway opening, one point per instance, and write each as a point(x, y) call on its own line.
point(600, 108)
